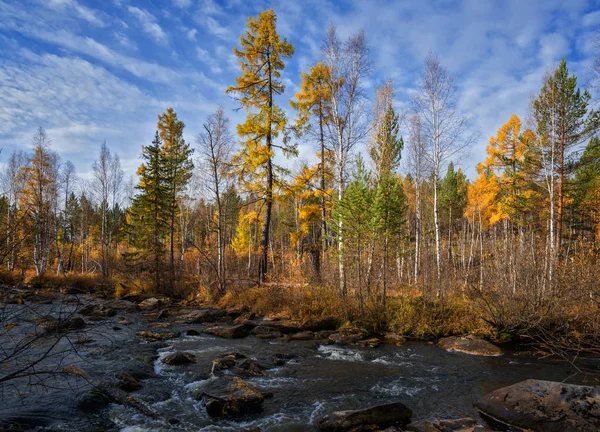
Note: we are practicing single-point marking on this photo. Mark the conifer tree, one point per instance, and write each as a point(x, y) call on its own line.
point(178, 166)
point(150, 213)
point(261, 61)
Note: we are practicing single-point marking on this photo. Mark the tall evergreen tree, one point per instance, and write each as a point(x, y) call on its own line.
point(150, 212)
point(178, 166)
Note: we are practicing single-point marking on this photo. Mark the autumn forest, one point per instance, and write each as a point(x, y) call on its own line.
point(382, 228)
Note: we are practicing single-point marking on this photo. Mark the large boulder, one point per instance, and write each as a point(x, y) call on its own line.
point(543, 406)
point(469, 345)
point(231, 397)
point(380, 416)
point(230, 332)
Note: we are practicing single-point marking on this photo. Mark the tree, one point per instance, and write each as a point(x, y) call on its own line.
point(385, 150)
point(562, 122)
point(452, 199)
point(444, 128)
point(67, 179)
point(13, 180)
point(107, 186)
point(38, 197)
point(313, 103)
point(348, 64)
point(418, 169)
point(150, 212)
point(261, 62)
point(178, 167)
point(215, 145)
point(586, 186)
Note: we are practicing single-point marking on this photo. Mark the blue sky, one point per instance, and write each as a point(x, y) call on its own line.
point(95, 70)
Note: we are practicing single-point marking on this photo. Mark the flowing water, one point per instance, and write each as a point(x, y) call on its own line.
point(319, 379)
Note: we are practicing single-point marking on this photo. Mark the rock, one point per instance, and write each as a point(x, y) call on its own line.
point(462, 424)
point(158, 336)
point(103, 394)
point(246, 316)
point(381, 416)
point(323, 334)
point(235, 313)
point(204, 316)
point(150, 303)
point(192, 332)
point(52, 325)
point(224, 363)
point(128, 383)
point(250, 366)
point(421, 426)
point(160, 325)
point(230, 332)
point(544, 406)
point(231, 397)
point(305, 335)
point(179, 358)
point(266, 332)
point(75, 370)
point(319, 324)
point(162, 314)
point(469, 345)
point(236, 355)
point(368, 343)
point(136, 298)
point(394, 339)
point(280, 359)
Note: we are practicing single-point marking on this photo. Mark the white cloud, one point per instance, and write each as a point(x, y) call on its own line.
point(149, 24)
point(191, 34)
point(183, 4)
point(82, 12)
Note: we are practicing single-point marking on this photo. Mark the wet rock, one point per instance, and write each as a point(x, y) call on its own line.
point(266, 332)
point(421, 426)
point(279, 359)
point(250, 366)
point(128, 383)
point(462, 424)
point(323, 334)
point(246, 316)
point(231, 397)
point(305, 335)
point(179, 358)
point(104, 394)
point(150, 303)
point(52, 325)
point(381, 416)
point(394, 339)
point(234, 313)
point(227, 360)
point(319, 324)
point(204, 316)
point(38, 297)
point(368, 343)
point(157, 336)
point(193, 332)
point(544, 406)
point(230, 332)
point(162, 314)
point(469, 345)
point(75, 370)
point(160, 325)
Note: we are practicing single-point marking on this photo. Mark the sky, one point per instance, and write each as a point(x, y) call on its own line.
point(95, 70)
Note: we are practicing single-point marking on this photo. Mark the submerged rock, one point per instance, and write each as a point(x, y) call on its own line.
point(544, 406)
point(179, 358)
point(128, 383)
point(231, 397)
point(380, 416)
point(369, 343)
point(230, 332)
point(250, 366)
point(469, 345)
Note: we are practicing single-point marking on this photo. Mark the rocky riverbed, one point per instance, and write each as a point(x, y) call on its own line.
point(146, 364)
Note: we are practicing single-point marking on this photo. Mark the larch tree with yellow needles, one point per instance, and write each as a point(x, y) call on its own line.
point(261, 61)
